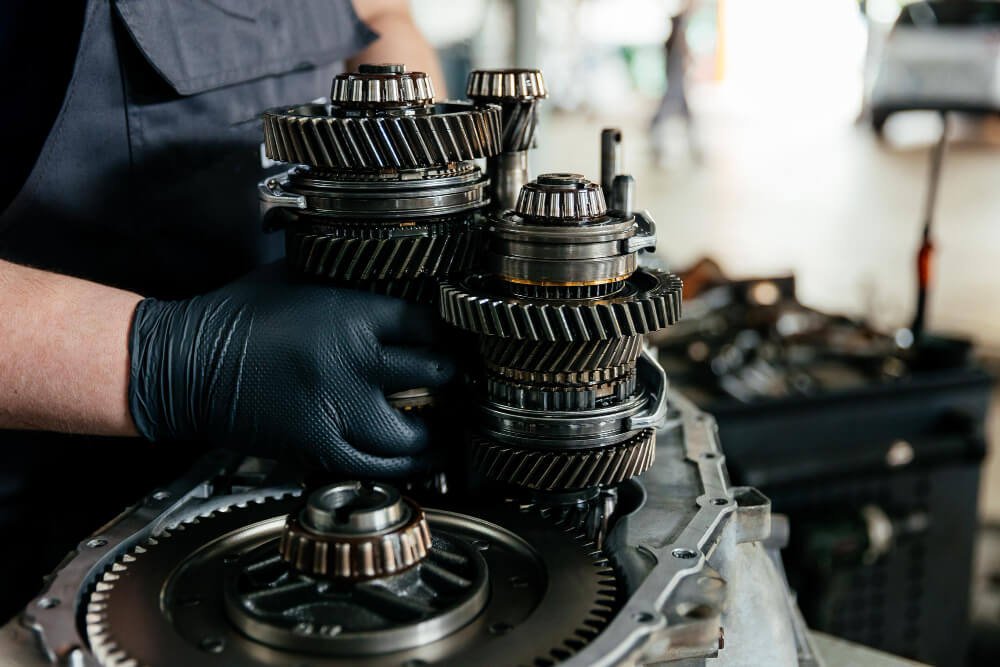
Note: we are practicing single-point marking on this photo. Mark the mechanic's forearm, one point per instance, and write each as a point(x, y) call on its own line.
point(64, 363)
point(400, 41)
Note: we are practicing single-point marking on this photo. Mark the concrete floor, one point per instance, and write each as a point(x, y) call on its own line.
point(820, 197)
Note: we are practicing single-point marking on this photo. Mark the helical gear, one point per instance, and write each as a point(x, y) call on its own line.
point(363, 252)
point(312, 135)
point(564, 469)
point(650, 302)
point(559, 357)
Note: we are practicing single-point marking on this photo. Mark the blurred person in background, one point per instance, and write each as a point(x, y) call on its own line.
point(674, 101)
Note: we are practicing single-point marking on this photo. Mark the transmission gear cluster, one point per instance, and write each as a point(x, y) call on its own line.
point(562, 270)
point(543, 546)
point(384, 191)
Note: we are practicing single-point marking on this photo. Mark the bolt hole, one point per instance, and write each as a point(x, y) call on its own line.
point(684, 553)
point(708, 455)
point(48, 603)
point(161, 495)
point(97, 543)
point(212, 644)
point(720, 501)
point(645, 617)
point(501, 628)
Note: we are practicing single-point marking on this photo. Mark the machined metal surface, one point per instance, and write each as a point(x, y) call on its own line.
point(332, 195)
point(559, 357)
point(506, 84)
point(314, 135)
point(649, 301)
point(517, 93)
point(564, 469)
point(561, 197)
point(382, 86)
point(287, 610)
point(347, 251)
point(144, 610)
point(355, 531)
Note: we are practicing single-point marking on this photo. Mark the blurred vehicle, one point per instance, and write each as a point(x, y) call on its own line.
point(940, 56)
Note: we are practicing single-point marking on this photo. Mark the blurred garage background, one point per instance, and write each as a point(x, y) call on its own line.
point(790, 168)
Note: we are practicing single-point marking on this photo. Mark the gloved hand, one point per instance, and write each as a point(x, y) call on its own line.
point(267, 366)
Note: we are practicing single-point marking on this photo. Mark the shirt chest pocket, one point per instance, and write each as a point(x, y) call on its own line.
point(202, 70)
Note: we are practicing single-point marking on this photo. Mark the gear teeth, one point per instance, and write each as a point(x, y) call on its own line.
point(650, 308)
point(331, 254)
point(561, 398)
point(587, 376)
point(309, 135)
point(546, 357)
point(564, 469)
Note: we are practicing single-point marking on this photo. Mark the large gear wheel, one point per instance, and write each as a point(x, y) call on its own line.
point(312, 134)
point(564, 469)
point(164, 602)
point(650, 301)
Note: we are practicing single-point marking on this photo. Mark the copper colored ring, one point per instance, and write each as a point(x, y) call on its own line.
point(356, 557)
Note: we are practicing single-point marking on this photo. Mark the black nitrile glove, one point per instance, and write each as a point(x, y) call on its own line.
point(269, 366)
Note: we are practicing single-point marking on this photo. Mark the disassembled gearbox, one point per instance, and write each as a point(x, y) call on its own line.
point(588, 519)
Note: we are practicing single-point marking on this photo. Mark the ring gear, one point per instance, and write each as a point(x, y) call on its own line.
point(133, 617)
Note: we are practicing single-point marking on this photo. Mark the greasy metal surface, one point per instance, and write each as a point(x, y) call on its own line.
point(571, 591)
point(673, 537)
